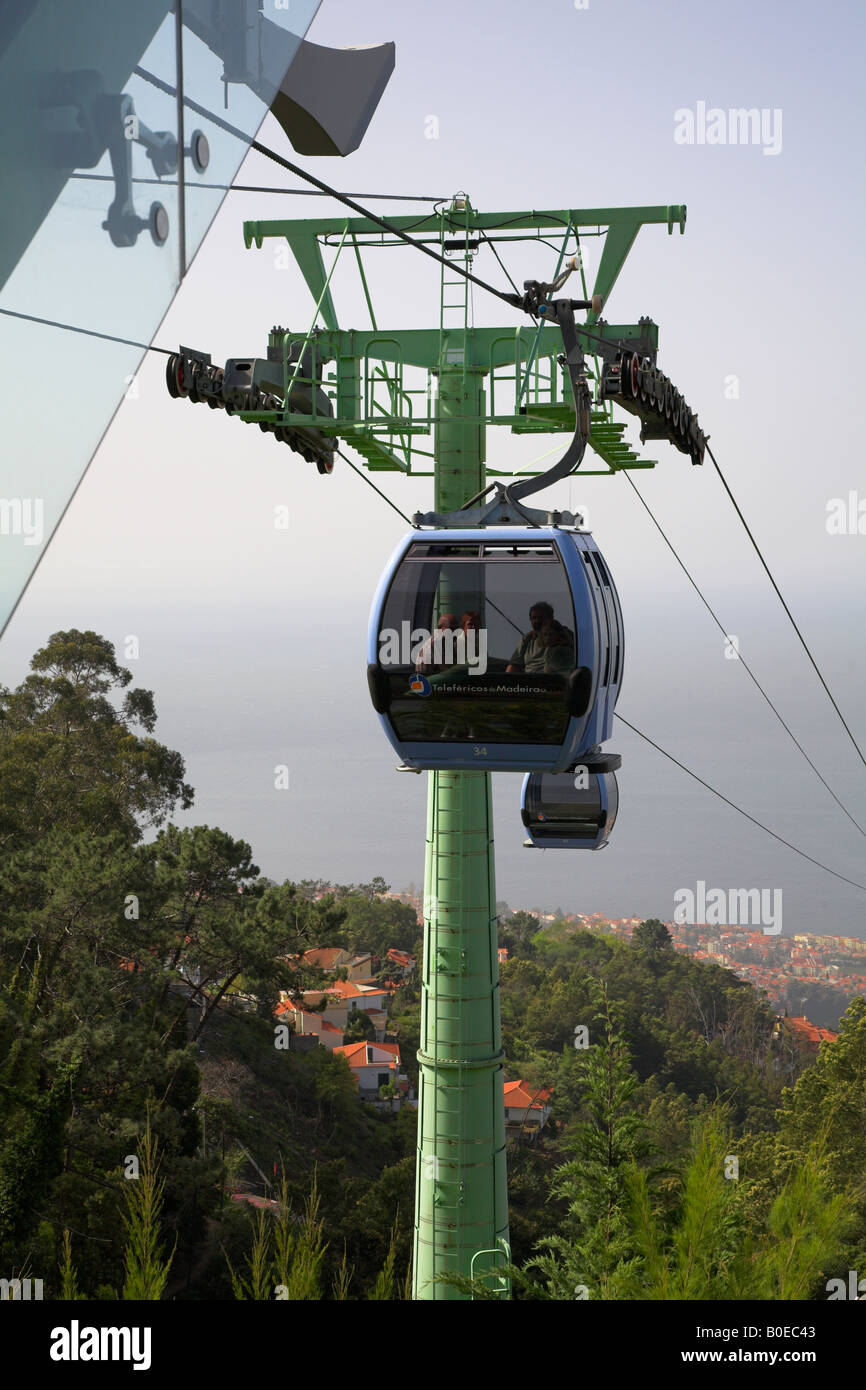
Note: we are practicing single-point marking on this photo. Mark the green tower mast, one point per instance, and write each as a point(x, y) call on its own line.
point(461, 1193)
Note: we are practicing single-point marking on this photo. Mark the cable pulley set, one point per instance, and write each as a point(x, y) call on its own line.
point(256, 385)
point(639, 387)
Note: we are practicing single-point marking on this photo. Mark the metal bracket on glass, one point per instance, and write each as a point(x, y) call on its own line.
point(108, 121)
point(122, 129)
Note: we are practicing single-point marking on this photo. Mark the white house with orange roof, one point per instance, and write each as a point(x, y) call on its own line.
point(342, 998)
point(526, 1107)
point(374, 1065)
point(353, 996)
point(306, 1024)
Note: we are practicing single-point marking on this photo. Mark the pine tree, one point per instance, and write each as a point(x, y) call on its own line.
point(710, 1249)
point(146, 1266)
point(69, 1292)
point(385, 1286)
point(594, 1254)
point(287, 1254)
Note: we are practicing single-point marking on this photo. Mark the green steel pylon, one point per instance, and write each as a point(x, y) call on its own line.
point(461, 1194)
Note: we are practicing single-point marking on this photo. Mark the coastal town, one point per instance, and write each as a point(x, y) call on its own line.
point(778, 965)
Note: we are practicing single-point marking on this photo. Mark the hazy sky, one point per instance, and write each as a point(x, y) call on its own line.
point(253, 638)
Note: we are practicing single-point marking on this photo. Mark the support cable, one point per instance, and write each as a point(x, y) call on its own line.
point(488, 242)
point(361, 474)
point(265, 188)
point(89, 332)
point(743, 661)
point(132, 343)
point(786, 608)
point(735, 807)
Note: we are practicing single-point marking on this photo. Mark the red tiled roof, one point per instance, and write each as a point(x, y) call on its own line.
point(324, 957)
point(268, 1203)
point(520, 1095)
point(809, 1031)
point(345, 989)
point(356, 1054)
point(289, 1006)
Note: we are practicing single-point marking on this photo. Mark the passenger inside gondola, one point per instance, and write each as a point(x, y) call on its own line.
point(430, 657)
point(468, 656)
point(548, 647)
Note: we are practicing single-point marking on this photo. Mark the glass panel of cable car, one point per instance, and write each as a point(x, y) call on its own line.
point(486, 632)
point(612, 803)
point(553, 801)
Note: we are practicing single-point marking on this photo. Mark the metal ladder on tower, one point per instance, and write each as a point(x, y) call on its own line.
point(454, 291)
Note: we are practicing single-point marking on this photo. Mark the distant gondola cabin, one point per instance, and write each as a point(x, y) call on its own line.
point(565, 811)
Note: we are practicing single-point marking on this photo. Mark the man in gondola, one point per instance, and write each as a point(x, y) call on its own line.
point(548, 647)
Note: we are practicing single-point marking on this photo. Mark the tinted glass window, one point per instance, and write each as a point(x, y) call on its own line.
point(600, 566)
point(479, 644)
point(551, 798)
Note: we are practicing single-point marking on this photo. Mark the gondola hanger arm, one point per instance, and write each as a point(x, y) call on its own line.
point(505, 509)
